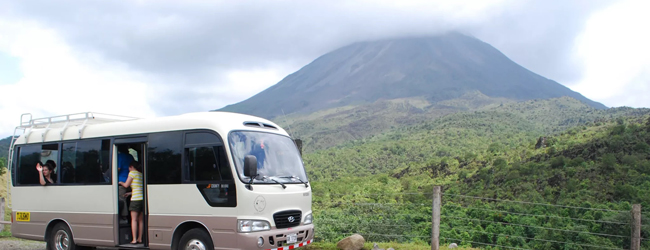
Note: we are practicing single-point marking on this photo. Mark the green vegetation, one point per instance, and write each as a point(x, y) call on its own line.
point(4, 146)
point(3, 166)
point(591, 158)
point(368, 246)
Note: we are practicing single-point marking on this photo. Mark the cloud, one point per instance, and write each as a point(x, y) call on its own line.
point(173, 57)
point(615, 52)
point(57, 81)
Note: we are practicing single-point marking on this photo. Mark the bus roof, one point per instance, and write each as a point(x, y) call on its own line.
point(93, 127)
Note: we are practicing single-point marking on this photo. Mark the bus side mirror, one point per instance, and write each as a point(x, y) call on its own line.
point(250, 166)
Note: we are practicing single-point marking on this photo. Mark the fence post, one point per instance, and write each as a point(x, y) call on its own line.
point(2, 212)
point(435, 219)
point(636, 227)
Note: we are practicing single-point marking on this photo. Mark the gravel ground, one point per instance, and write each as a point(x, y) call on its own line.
point(7, 243)
point(10, 243)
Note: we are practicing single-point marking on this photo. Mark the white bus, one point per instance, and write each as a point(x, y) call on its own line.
point(212, 180)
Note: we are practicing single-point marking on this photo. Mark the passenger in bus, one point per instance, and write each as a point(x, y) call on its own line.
point(259, 153)
point(134, 181)
point(67, 172)
point(124, 160)
point(46, 172)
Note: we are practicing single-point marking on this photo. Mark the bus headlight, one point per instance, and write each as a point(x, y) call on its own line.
point(247, 226)
point(308, 219)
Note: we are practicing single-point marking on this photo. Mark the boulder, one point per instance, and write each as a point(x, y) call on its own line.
point(353, 242)
point(452, 245)
point(376, 247)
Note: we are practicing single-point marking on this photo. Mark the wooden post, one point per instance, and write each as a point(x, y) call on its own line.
point(2, 212)
point(435, 219)
point(636, 227)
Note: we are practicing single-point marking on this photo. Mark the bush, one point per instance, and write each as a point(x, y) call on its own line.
point(3, 165)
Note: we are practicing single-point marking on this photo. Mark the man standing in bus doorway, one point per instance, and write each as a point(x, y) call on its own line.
point(124, 160)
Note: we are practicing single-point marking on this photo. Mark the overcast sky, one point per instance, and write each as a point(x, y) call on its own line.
point(155, 58)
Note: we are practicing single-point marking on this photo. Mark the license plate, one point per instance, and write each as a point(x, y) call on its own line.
point(292, 238)
point(22, 216)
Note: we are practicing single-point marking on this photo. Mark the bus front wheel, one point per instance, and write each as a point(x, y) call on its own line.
point(60, 238)
point(195, 239)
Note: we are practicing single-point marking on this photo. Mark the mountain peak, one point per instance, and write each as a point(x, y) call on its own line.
point(437, 68)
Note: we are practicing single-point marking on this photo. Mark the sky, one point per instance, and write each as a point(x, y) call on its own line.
point(147, 58)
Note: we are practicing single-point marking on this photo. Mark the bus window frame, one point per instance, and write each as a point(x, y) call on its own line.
point(59, 165)
point(232, 155)
point(184, 178)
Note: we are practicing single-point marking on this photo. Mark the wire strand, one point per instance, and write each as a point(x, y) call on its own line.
point(376, 204)
point(546, 228)
point(427, 216)
point(376, 194)
point(367, 224)
point(545, 240)
point(534, 203)
point(487, 244)
point(388, 235)
point(548, 216)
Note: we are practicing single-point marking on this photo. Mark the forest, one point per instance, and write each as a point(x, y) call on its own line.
point(541, 155)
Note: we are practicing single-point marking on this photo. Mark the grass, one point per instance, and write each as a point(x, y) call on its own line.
point(7, 215)
point(385, 245)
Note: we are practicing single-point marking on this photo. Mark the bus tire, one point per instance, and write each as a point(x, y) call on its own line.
point(196, 239)
point(61, 238)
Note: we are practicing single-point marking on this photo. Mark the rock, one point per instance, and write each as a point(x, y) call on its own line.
point(452, 245)
point(376, 247)
point(354, 242)
point(541, 142)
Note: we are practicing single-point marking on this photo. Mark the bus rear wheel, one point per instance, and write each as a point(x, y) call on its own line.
point(195, 239)
point(60, 238)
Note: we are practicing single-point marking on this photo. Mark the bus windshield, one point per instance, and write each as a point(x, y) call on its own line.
point(278, 159)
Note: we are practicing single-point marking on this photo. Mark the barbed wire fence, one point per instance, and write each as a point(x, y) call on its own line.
point(479, 222)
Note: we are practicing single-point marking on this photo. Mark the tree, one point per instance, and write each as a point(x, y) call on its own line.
point(3, 165)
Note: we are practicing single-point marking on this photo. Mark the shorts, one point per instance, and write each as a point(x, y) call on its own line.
point(136, 206)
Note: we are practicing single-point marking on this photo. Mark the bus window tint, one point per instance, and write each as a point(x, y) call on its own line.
point(68, 161)
point(29, 156)
point(207, 164)
point(164, 166)
point(82, 162)
point(105, 156)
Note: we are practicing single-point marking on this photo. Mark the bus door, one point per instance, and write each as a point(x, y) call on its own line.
point(127, 151)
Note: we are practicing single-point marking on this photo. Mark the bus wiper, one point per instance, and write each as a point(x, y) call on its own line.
point(276, 181)
point(251, 182)
point(295, 177)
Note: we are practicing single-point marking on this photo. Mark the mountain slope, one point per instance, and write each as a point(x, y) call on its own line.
point(336, 126)
point(436, 68)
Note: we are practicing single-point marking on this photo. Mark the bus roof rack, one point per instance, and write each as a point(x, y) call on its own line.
point(61, 121)
point(64, 121)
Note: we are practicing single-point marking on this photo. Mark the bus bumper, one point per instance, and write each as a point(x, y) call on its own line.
point(278, 239)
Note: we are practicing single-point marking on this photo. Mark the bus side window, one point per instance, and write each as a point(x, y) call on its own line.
point(207, 163)
point(164, 155)
point(29, 156)
point(69, 159)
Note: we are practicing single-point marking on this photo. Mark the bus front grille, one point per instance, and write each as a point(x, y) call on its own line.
point(289, 218)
